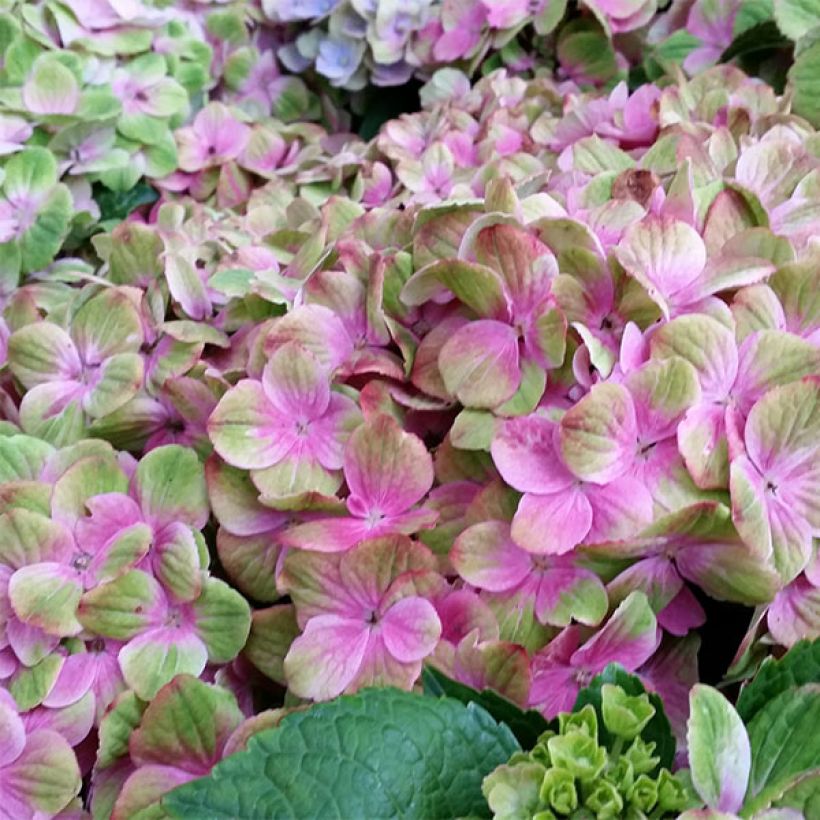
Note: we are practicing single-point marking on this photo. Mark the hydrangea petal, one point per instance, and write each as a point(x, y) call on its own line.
point(552, 524)
point(323, 661)
point(480, 363)
point(597, 437)
point(387, 469)
point(410, 629)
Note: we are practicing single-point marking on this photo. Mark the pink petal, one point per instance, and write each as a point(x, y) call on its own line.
point(74, 680)
point(629, 637)
point(296, 384)
point(323, 661)
point(525, 454)
point(485, 556)
point(13, 733)
point(110, 513)
point(552, 524)
point(480, 363)
point(410, 629)
point(682, 614)
point(795, 613)
point(619, 510)
point(327, 534)
point(387, 470)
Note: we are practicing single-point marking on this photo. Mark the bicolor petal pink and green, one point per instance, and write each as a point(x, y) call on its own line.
point(289, 428)
point(39, 773)
point(387, 472)
point(629, 637)
point(366, 614)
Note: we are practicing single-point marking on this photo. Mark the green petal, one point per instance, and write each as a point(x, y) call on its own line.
point(223, 620)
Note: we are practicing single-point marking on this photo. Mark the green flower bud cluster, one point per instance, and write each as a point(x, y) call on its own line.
point(570, 773)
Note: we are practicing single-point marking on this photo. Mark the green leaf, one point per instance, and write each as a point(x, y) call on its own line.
point(803, 795)
point(380, 753)
point(752, 12)
point(657, 731)
point(804, 76)
point(118, 205)
point(526, 725)
point(762, 37)
point(676, 48)
point(785, 743)
point(795, 17)
point(799, 666)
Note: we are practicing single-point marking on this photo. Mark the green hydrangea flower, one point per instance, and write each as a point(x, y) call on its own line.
point(575, 772)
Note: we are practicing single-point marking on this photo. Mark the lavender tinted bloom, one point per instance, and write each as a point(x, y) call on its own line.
point(338, 58)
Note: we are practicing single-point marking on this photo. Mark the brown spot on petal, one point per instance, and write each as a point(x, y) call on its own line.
point(635, 184)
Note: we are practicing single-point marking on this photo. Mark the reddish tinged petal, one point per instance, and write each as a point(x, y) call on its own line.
point(387, 470)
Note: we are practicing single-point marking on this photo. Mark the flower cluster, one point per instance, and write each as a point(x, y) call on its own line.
point(509, 389)
point(353, 43)
point(574, 769)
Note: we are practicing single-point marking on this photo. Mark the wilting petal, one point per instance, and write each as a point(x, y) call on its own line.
point(326, 657)
point(552, 524)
